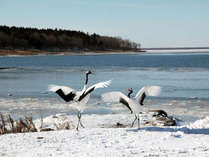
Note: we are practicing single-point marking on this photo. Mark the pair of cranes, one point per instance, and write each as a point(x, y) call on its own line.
point(80, 98)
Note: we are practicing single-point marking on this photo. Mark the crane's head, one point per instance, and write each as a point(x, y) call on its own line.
point(89, 72)
point(130, 89)
point(130, 92)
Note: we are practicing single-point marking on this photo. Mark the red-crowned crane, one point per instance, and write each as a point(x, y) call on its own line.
point(79, 98)
point(132, 104)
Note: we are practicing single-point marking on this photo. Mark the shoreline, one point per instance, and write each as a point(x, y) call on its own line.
point(37, 52)
point(13, 53)
point(177, 51)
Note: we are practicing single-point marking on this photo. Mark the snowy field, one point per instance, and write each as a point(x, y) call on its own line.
point(101, 138)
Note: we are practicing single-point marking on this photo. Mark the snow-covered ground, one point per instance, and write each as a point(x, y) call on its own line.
point(100, 138)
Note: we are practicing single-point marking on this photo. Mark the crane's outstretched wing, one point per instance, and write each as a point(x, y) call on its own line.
point(64, 92)
point(100, 85)
point(93, 87)
point(116, 97)
point(147, 91)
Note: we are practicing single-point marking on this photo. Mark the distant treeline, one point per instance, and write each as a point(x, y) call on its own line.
point(59, 40)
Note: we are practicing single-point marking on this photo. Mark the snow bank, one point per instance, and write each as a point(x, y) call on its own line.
point(99, 138)
point(199, 124)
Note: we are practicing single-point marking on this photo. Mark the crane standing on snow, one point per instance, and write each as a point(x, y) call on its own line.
point(80, 98)
point(132, 104)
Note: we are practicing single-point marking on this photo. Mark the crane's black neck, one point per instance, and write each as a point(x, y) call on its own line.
point(129, 94)
point(87, 78)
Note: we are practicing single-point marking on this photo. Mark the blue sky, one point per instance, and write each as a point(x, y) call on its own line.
point(153, 23)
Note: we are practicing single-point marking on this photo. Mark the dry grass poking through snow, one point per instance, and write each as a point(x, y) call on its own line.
point(9, 125)
point(63, 122)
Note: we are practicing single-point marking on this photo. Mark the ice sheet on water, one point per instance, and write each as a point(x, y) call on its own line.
point(187, 110)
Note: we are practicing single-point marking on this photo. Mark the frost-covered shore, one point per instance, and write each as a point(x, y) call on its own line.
point(100, 139)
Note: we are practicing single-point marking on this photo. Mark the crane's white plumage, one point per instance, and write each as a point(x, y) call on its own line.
point(132, 104)
point(101, 84)
point(113, 96)
point(78, 99)
point(65, 89)
point(80, 106)
point(149, 91)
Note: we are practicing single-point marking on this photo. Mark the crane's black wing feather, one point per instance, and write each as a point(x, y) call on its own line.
point(124, 102)
point(68, 97)
point(142, 99)
point(86, 93)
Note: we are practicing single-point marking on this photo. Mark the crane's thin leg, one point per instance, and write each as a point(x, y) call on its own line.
point(80, 121)
point(134, 121)
point(138, 122)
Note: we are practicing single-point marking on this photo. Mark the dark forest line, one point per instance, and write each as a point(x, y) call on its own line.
point(59, 40)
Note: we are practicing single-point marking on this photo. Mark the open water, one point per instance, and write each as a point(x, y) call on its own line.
point(184, 78)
